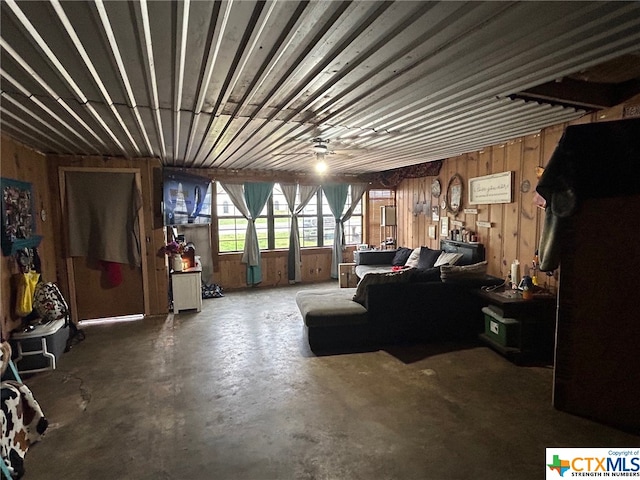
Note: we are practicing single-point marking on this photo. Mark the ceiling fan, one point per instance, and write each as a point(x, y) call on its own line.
point(320, 150)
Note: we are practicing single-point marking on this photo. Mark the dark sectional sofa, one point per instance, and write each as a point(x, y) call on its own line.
point(420, 308)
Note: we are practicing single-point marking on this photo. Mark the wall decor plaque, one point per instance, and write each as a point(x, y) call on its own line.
point(489, 189)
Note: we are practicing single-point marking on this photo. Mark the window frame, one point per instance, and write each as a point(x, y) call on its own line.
point(319, 217)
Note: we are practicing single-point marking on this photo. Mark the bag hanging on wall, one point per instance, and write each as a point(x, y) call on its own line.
point(26, 285)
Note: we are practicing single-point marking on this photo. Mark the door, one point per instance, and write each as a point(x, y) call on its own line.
point(103, 227)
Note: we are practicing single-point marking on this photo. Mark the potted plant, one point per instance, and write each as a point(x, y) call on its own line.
point(174, 251)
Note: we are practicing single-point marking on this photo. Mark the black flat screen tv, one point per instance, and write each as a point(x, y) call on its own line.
point(186, 198)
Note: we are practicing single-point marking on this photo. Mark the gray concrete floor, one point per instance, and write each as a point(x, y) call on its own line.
point(234, 393)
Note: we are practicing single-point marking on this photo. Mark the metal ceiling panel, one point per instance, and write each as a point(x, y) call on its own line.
point(249, 84)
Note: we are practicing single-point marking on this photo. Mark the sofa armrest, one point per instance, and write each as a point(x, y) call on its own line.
point(374, 257)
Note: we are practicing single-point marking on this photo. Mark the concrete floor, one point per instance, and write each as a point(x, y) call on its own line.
point(234, 393)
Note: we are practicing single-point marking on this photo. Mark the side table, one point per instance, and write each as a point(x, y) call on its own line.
point(535, 323)
point(347, 275)
point(186, 289)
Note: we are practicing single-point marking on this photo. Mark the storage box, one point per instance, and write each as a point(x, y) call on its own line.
point(39, 349)
point(347, 275)
point(505, 331)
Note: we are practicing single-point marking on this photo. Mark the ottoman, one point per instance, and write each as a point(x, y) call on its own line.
point(333, 320)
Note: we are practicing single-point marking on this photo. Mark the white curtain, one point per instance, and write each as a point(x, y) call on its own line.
point(236, 194)
point(306, 194)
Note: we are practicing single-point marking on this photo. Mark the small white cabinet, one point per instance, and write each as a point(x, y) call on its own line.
point(186, 289)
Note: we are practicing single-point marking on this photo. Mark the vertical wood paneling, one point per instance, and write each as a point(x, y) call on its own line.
point(529, 212)
point(157, 284)
point(495, 247)
point(516, 226)
point(511, 227)
point(21, 163)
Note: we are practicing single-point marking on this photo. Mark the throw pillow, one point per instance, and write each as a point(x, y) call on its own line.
point(414, 258)
point(373, 278)
point(449, 273)
point(426, 275)
point(401, 256)
point(447, 258)
point(428, 257)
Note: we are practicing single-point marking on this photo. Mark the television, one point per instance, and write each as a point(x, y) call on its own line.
point(186, 198)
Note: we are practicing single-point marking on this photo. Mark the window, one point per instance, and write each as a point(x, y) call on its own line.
point(316, 223)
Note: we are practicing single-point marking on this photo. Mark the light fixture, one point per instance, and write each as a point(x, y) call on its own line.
point(320, 149)
point(321, 165)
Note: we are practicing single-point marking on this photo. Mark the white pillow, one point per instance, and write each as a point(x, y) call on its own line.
point(447, 258)
point(413, 259)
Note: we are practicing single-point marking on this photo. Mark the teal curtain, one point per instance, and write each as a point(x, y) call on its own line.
point(255, 196)
point(337, 198)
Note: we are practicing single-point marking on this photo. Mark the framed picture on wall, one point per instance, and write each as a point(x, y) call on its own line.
point(432, 231)
point(444, 226)
point(435, 214)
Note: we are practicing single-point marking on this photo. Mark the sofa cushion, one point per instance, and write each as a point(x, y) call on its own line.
point(326, 308)
point(401, 276)
point(362, 270)
point(401, 256)
point(374, 257)
point(447, 258)
point(413, 259)
point(426, 275)
point(428, 257)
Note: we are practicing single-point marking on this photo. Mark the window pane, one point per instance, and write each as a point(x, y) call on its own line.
point(262, 232)
point(225, 207)
point(279, 201)
point(328, 225)
point(311, 208)
point(308, 231)
point(282, 228)
point(231, 232)
point(353, 230)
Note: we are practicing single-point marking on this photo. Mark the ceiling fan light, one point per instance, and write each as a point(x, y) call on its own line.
point(320, 149)
point(321, 166)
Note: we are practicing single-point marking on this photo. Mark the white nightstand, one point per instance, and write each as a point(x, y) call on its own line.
point(186, 289)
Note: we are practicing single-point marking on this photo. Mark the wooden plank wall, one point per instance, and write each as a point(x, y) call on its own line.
point(21, 163)
point(157, 272)
point(316, 267)
point(516, 227)
point(515, 232)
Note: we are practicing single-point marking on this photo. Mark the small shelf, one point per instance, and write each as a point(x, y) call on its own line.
point(10, 248)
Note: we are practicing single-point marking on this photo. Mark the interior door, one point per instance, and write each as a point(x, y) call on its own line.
point(96, 298)
point(101, 289)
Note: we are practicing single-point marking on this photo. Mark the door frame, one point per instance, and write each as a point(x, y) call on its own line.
point(73, 305)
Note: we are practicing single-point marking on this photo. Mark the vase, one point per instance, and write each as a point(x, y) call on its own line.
point(176, 263)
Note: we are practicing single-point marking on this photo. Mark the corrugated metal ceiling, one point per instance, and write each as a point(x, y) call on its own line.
point(245, 84)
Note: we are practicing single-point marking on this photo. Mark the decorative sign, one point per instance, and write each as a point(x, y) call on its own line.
point(490, 189)
point(444, 226)
point(457, 223)
point(435, 214)
point(432, 231)
point(484, 224)
point(471, 211)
